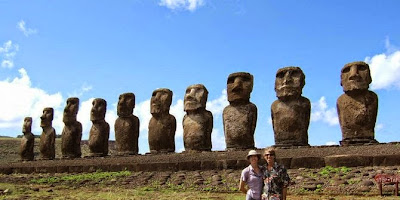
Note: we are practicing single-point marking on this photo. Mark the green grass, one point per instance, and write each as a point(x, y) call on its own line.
point(98, 175)
point(22, 191)
point(329, 169)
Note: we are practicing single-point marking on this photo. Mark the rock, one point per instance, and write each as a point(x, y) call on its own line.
point(310, 187)
point(367, 183)
point(340, 182)
point(215, 183)
point(363, 189)
point(348, 176)
point(198, 182)
point(216, 178)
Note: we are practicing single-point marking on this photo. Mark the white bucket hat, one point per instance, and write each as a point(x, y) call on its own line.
point(253, 153)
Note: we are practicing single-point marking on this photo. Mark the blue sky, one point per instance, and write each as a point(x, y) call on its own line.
point(52, 50)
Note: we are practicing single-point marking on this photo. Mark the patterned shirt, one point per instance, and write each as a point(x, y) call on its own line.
point(254, 181)
point(274, 181)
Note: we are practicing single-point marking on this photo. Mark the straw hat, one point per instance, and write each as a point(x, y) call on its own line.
point(253, 153)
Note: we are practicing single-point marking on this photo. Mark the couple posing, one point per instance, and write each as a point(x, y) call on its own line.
point(267, 182)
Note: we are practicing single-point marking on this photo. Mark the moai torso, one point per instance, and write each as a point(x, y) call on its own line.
point(126, 126)
point(48, 136)
point(71, 140)
point(240, 117)
point(357, 115)
point(239, 126)
point(27, 141)
point(100, 130)
point(291, 112)
point(358, 107)
point(162, 125)
point(72, 131)
point(198, 122)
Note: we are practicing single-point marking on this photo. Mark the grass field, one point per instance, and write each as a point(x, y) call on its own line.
point(33, 191)
point(110, 185)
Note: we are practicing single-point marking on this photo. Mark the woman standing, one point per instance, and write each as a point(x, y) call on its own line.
point(276, 179)
point(252, 176)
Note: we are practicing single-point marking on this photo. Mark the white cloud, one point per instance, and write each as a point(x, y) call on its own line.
point(84, 117)
point(321, 112)
point(379, 127)
point(216, 106)
point(177, 111)
point(385, 68)
point(217, 140)
point(26, 31)
point(331, 143)
point(190, 5)
point(23, 100)
point(111, 116)
point(7, 54)
point(142, 111)
point(84, 88)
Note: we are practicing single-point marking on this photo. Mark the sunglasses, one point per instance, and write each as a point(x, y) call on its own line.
point(267, 154)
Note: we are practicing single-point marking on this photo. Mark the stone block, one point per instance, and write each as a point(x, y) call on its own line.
point(306, 162)
point(386, 160)
point(348, 160)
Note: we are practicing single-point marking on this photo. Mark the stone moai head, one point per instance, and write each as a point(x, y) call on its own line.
point(27, 126)
point(355, 76)
point(47, 117)
point(126, 104)
point(289, 82)
point(239, 86)
point(161, 100)
point(71, 110)
point(195, 97)
point(99, 108)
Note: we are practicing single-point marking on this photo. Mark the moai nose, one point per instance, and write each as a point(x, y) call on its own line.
point(354, 73)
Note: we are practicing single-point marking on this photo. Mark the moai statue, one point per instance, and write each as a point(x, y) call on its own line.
point(291, 112)
point(72, 132)
point(126, 126)
point(198, 122)
point(27, 141)
point(48, 137)
point(162, 125)
point(357, 107)
point(240, 117)
point(100, 131)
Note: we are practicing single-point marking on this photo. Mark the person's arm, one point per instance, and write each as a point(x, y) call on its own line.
point(286, 182)
point(242, 186)
point(284, 192)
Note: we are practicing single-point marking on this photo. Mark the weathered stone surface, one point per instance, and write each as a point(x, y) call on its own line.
point(162, 125)
point(367, 183)
point(240, 117)
point(291, 112)
point(48, 136)
point(72, 132)
point(198, 122)
point(126, 126)
point(357, 108)
point(27, 140)
point(348, 161)
point(307, 162)
point(100, 131)
point(386, 160)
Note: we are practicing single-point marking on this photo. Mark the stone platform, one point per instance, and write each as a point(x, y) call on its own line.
point(387, 154)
